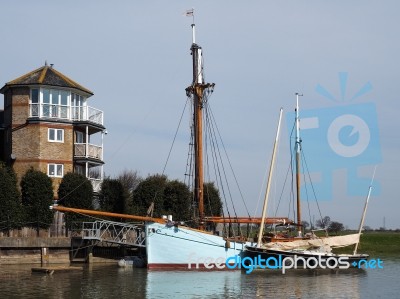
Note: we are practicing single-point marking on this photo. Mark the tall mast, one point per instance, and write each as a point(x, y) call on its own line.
point(271, 168)
point(197, 89)
point(298, 150)
point(364, 213)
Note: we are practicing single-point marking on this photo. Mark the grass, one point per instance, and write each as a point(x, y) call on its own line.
point(377, 243)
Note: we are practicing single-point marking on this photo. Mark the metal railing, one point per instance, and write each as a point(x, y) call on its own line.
point(96, 183)
point(111, 232)
point(87, 113)
point(74, 113)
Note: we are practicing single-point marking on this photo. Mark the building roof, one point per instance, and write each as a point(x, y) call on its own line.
point(46, 75)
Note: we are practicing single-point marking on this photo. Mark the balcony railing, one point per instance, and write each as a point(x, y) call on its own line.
point(74, 113)
point(96, 183)
point(87, 113)
point(93, 151)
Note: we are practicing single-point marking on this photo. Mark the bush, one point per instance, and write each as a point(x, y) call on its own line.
point(113, 197)
point(11, 210)
point(37, 196)
point(75, 191)
point(148, 191)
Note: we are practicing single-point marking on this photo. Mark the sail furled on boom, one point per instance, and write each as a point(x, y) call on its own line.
point(333, 242)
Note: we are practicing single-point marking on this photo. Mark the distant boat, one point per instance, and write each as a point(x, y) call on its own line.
point(132, 261)
point(309, 249)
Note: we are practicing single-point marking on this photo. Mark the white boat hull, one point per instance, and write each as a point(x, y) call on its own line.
point(170, 247)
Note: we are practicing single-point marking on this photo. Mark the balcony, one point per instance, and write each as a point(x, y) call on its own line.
point(73, 113)
point(96, 183)
point(93, 151)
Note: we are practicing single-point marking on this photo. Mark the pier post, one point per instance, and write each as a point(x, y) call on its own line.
point(44, 255)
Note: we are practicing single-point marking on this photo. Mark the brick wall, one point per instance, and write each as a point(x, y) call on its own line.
point(29, 140)
point(19, 103)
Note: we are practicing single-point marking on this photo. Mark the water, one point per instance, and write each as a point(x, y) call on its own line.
point(109, 281)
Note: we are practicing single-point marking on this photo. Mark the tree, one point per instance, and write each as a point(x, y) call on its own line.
point(150, 190)
point(75, 191)
point(11, 209)
point(129, 180)
point(37, 196)
point(212, 200)
point(335, 227)
point(324, 222)
point(174, 198)
point(177, 200)
point(305, 224)
point(367, 228)
point(112, 197)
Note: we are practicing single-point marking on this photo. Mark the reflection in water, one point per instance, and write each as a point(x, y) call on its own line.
point(304, 284)
point(193, 284)
point(109, 281)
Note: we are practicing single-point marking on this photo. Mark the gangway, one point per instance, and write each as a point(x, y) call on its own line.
point(125, 234)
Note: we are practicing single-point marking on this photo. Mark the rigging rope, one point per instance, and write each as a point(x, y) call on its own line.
point(312, 187)
point(230, 165)
point(173, 141)
point(305, 185)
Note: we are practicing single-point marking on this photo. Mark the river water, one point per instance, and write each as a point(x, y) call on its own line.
point(109, 281)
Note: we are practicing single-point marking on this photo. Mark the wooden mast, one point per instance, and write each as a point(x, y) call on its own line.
point(298, 150)
point(197, 90)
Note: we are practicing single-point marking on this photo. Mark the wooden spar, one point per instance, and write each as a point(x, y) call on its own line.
point(271, 168)
point(106, 214)
point(298, 149)
point(364, 213)
point(160, 220)
point(197, 89)
point(198, 143)
point(254, 220)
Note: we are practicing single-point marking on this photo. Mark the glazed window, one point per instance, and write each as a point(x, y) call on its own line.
point(79, 137)
point(55, 170)
point(35, 96)
point(35, 102)
point(56, 135)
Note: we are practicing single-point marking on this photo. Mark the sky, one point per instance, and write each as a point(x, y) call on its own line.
point(343, 56)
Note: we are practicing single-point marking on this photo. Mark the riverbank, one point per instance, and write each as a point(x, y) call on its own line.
point(61, 250)
point(377, 244)
point(34, 250)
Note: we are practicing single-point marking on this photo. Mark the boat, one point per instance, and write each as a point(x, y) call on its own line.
point(132, 261)
point(302, 250)
point(172, 244)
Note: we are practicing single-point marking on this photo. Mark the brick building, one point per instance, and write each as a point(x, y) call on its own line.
point(47, 124)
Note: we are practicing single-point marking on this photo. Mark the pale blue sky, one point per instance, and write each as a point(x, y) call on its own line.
point(134, 56)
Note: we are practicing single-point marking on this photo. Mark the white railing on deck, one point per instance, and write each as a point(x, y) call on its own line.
point(74, 113)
